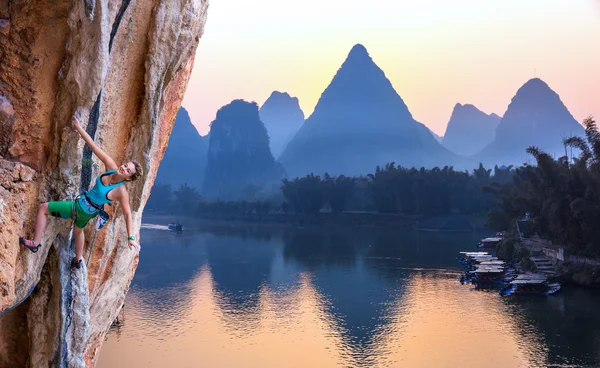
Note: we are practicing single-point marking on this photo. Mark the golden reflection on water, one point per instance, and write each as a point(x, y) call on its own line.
point(442, 325)
point(211, 333)
point(432, 322)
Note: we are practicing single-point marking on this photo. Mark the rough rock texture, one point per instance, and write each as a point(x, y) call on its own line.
point(123, 65)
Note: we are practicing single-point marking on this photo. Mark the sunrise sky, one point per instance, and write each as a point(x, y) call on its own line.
point(435, 53)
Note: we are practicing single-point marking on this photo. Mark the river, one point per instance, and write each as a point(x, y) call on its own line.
point(244, 296)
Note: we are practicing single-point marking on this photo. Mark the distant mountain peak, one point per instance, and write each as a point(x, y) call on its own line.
point(282, 116)
point(238, 152)
point(186, 148)
point(536, 116)
point(469, 129)
point(360, 122)
point(465, 107)
point(277, 93)
point(535, 89)
point(281, 98)
point(535, 83)
point(277, 96)
point(359, 58)
point(358, 50)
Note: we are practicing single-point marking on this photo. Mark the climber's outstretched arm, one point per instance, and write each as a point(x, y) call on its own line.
point(108, 162)
point(123, 198)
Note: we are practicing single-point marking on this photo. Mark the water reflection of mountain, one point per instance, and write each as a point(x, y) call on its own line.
point(361, 303)
point(240, 268)
point(350, 297)
point(358, 299)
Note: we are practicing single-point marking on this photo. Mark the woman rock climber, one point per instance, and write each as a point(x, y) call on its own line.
point(109, 187)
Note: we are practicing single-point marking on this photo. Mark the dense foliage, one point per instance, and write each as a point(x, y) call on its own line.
point(391, 189)
point(310, 193)
point(395, 189)
point(562, 195)
point(184, 200)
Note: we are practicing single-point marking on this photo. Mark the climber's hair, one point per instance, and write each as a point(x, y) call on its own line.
point(138, 171)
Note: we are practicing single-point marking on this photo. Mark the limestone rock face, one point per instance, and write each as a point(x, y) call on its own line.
point(123, 66)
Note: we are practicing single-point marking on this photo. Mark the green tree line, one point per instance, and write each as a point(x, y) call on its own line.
point(561, 195)
point(396, 189)
point(390, 189)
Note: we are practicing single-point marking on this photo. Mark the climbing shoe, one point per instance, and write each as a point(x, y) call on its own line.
point(29, 244)
point(76, 263)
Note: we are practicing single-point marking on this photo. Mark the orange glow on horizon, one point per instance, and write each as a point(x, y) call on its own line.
point(435, 53)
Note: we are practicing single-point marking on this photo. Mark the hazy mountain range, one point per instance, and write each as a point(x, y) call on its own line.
point(469, 130)
point(184, 160)
point(239, 160)
point(535, 117)
point(282, 117)
point(437, 137)
point(359, 122)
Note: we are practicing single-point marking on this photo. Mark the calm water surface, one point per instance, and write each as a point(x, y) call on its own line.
point(249, 297)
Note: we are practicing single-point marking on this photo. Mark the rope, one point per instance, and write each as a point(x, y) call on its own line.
point(69, 316)
point(20, 302)
point(92, 246)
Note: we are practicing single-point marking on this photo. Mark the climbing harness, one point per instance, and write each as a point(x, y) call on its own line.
point(101, 220)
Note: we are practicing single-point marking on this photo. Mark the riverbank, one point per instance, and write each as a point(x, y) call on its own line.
point(568, 268)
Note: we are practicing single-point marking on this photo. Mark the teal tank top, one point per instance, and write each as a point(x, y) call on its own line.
point(98, 194)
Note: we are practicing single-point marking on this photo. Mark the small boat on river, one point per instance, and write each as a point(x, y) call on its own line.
point(173, 226)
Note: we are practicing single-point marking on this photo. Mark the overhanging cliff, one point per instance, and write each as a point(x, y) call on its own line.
point(124, 65)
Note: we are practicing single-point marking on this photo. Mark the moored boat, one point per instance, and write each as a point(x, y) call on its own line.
point(496, 275)
point(470, 259)
point(531, 284)
point(489, 242)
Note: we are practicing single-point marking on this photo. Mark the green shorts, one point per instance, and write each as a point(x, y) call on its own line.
point(64, 209)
